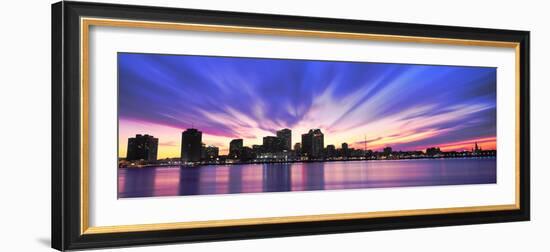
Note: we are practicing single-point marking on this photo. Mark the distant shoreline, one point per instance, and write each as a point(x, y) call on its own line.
point(298, 161)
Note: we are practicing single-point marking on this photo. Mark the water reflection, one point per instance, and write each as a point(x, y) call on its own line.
point(313, 177)
point(169, 181)
point(137, 182)
point(235, 180)
point(189, 181)
point(276, 177)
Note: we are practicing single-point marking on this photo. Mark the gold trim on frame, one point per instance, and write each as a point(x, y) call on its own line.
point(84, 126)
point(288, 219)
point(85, 24)
point(518, 142)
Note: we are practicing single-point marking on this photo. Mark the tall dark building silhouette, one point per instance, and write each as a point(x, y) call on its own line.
point(235, 148)
point(203, 151)
point(142, 147)
point(285, 136)
point(191, 145)
point(247, 154)
point(387, 151)
point(476, 150)
point(330, 151)
point(313, 143)
point(306, 145)
point(271, 144)
point(345, 150)
point(257, 148)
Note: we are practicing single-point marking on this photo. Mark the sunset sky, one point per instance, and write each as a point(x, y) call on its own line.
point(407, 107)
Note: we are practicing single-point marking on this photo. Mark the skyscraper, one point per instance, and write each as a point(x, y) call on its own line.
point(203, 151)
point(257, 148)
point(191, 140)
point(345, 150)
point(313, 143)
point(271, 144)
point(142, 147)
point(285, 135)
point(235, 148)
point(247, 154)
point(387, 151)
point(330, 151)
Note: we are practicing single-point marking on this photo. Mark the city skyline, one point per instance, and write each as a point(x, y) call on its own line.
point(142, 151)
point(275, 149)
point(247, 98)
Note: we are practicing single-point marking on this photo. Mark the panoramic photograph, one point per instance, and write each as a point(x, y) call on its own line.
point(203, 125)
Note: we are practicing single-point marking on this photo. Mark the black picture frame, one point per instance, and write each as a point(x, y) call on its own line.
point(66, 124)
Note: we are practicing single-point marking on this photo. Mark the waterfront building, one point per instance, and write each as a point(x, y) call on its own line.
point(256, 148)
point(433, 151)
point(330, 151)
point(271, 144)
point(235, 147)
point(247, 154)
point(142, 147)
point(285, 136)
point(211, 153)
point(345, 150)
point(387, 151)
point(313, 144)
point(191, 143)
point(203, 151)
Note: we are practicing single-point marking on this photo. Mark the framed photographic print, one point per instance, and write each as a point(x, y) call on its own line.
point(180, 125)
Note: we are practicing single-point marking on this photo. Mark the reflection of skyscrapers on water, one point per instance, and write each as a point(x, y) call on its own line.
point(142, 147)
point(191, 145)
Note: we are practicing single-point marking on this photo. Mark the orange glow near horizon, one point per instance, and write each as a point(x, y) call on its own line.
point(170, 140)
point(488, 143)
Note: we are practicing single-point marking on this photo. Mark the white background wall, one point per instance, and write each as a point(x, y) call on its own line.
point(25, 125)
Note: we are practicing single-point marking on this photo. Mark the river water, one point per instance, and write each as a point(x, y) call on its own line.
point(282, 177)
